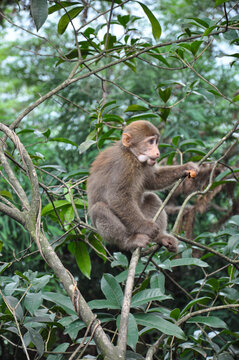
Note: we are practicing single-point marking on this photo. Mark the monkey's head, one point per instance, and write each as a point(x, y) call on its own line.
point(141, 138)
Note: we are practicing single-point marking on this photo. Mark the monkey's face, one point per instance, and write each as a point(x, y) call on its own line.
point(147, 150)
point(141, 138)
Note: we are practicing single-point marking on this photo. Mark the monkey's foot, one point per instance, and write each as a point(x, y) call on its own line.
point(138, 240)
point(169, 241)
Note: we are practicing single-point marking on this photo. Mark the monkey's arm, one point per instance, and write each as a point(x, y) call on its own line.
point(160, 177)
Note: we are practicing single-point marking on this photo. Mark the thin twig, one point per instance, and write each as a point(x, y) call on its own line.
point(208, 249)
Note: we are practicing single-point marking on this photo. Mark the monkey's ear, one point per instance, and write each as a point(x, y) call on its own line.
point(126, 139)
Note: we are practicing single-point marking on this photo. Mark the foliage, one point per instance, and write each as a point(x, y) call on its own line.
point(67, 90)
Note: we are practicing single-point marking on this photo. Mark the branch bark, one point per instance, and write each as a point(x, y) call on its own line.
point(124, 319)
point(30, 219)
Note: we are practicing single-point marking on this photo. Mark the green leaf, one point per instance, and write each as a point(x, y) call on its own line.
point(209, 30)
point(234, 220)
point(130, 355)
point(86, 145)
point(103, 304)
point(160, 58)
point(188, 262)
point(136, 107)
point(39, 12)
point(120, 260)
point(60, 139)
point(131, 66)
point(156, 28)
point(14, 303)
point(105, 137)
point(158, 281)
point(164, 94)
point(59, 349)
point(230, 293)
point(191, 142)
point(61, 300)
point(32, 302)
point(123, 20)
point(162, 145)
point(147, 295)
point(176, 139)
point(73, 329)
point(60, 204)
point(111, 289)
point(154, 321)
point(92, 135)
point(79, 249)
point(212, 321)
point(175, 314)
point(6, 194)
point(231, 35)
point(195, 46)
point(214, 92)
point(65, 19)
point(113, 118)
point(225, 355)
point(57, 7)
point(37, 340)
point(170, 158)
point(132, 335)
point(57, 204)
point(142, 117)
point(110, 41)
point(39, 283)
point(219, 2)
point(98, 248)
point(164, 113)
point(200, 22)
point(69, 215)
point(202, 300)
point(4, 267)
point(109, 103)
point(236, 98)
point(191, 347)
point(233, 242)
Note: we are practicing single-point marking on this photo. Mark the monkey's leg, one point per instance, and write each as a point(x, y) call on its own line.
point(112, 230)
point(149, 206)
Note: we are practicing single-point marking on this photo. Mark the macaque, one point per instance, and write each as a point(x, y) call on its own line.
point(120, 201)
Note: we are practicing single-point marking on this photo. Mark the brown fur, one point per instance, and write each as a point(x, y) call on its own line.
point(120, 205)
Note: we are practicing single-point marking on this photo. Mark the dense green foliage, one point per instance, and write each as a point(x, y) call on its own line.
point(72, 74)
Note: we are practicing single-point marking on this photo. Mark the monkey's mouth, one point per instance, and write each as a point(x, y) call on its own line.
point(151, 161)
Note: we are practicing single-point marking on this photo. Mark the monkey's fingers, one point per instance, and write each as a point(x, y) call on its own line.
point(191, 174)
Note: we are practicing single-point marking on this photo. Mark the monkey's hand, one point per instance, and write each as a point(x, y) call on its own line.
point(191, 169)
point(169, 241)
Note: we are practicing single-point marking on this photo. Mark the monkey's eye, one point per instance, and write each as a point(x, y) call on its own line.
point(152, 141)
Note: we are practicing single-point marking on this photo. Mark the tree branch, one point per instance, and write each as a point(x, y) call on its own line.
point(32, 225)
point(208, 249)
point(180, 214)
point(124, 318)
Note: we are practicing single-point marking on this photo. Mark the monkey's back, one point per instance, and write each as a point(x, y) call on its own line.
point(111, 174)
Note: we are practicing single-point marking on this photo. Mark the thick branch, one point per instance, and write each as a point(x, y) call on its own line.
point(13, 181)
point(30, 170)
point(102, 341)
point(13, 213)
